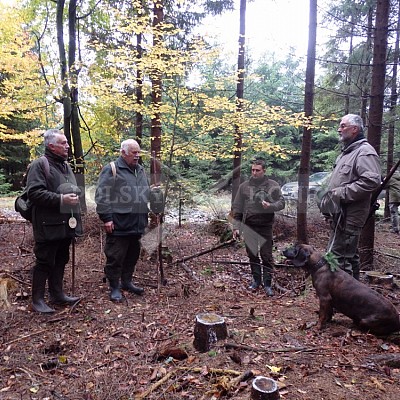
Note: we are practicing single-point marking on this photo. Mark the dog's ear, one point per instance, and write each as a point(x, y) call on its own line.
point(301, 258)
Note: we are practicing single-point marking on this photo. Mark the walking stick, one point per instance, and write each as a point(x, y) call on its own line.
point(73, 266)
point(157, 207)
point(381, 187)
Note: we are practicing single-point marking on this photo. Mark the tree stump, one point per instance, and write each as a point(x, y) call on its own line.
point(208, 330)
point(379, 278)
point(264, 389)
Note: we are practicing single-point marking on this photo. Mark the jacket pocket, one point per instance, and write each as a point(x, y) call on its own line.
point(54, 231)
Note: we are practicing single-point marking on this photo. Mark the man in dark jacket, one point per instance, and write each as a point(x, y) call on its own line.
point(122, 195)
point(355, 177)
point(55, 218)
point(253, 211)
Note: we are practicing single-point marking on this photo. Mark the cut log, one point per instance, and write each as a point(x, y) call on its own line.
point(264, 389)
point(208, 330)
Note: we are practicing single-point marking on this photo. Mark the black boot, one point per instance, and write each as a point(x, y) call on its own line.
point(115, 292)
point(356, 272)
point(126, 284)
point(39, 279)
point(268, 286)
point(57, 295)
point(256, 272)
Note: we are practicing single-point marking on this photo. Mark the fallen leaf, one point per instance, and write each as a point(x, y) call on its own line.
point(273, 369)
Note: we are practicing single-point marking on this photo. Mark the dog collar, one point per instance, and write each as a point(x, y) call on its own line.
point(322, 261)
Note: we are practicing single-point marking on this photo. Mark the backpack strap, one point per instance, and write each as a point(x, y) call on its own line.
point(113, 169)
point(46, 166)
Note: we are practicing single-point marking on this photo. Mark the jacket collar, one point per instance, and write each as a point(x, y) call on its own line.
point(353, 145)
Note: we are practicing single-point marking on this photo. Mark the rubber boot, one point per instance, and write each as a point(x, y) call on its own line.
point(115, 292)
point(356, 272)
point(267, 282)
point(256, 272)
point(57, 295)
point(126, 284)
point(38, 288)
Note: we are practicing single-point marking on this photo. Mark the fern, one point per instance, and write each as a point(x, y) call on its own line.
point(332, 261)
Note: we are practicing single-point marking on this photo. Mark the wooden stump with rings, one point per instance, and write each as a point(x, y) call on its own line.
point(264, 388)
point(208, 330)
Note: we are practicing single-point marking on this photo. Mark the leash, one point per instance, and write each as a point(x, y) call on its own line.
point(334, 233)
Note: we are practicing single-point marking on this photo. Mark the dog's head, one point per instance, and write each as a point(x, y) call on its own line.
point(299, 254)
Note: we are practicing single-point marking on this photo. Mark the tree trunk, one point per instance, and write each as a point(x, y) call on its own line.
point(366, 69)
point(304, 169)
point(392, 109)
point(139, 90)
point(66, 93)
point(264, 388)
point(78, 161)
point(376, 115)
point(237, 150)
point(156, 82)
point(349, 71)
point(209, 328)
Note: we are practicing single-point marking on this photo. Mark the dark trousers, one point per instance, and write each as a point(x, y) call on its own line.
point(259, 243)
point(122, 253)
point(343, 242)
point(51, 255)
point(394, 216)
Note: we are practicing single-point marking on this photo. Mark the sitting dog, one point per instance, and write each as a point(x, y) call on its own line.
point(336, 289)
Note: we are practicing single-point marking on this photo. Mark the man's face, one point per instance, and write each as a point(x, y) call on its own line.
point(347, 132)
point(60, 146)
point(257, 171)
point(132, 155)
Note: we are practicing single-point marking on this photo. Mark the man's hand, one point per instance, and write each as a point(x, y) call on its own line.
point(337, 194)
point(109, 226)
point(236, 234)
point(70, 199)
point(265, 204)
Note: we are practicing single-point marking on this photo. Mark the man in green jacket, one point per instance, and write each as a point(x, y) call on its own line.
point(55, 218)
point(355, 177)
point(253, 211)
point(394, 201)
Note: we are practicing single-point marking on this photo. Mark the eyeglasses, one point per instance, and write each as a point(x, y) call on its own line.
point(342, 126)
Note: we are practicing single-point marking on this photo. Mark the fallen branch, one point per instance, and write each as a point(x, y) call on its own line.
point(391, 360)
point(25, 337)
point(201, 253)
point(103, 364)
point(257, 350)
point(15, 278)
point(170, 374)
point(241, 378)
point(387, 254)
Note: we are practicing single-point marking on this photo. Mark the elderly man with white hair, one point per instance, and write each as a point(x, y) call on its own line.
point(122, 195)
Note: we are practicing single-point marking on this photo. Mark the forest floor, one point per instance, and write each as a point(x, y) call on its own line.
point(143, 347)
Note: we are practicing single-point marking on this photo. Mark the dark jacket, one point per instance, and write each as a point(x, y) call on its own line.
point(123, 199)
point(49, 216)
point(247, 208)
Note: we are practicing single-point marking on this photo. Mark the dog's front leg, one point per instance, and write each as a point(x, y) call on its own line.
point(325, 311)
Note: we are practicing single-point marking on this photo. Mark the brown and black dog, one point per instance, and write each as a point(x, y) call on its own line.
point(338, 290)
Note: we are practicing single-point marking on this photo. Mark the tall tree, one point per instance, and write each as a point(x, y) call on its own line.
point(376, 113)
point(304, 169)
point(156, 90)
point(69, 72)
point(237, 147)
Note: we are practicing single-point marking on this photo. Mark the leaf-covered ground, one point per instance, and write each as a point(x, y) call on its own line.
point(101, 350)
